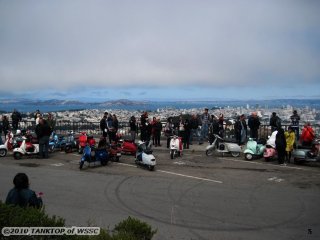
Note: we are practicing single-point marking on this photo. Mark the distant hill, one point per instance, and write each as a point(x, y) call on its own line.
point(29, 105)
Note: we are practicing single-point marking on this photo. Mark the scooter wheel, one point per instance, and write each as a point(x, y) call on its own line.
point(68, 149)
point(171, 154)
point(209, 152)
point(117, 159)
point(248, 156)
point(151, 168)
point(51, 149)
point(3, 152)
point(81, 165)
point(235, 154)
point(17, 155)
point(103, 162)
point(267, 159)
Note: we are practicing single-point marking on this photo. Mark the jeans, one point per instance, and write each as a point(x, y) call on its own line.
point(44, 146)
point(194, 133)
point(204, 132)
point(133, 135)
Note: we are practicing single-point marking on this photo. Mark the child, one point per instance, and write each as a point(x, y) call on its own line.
point(290, 140)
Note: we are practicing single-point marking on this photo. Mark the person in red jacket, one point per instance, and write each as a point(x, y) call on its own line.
point(307, 135)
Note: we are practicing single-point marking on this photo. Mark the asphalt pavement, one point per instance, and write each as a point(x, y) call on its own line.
point(190, 197)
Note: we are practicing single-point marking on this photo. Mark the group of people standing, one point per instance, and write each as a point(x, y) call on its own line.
point(109, 126)
point(5, 124)
point(150, 129)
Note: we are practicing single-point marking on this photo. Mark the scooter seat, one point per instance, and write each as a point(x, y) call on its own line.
point(262, 141)
point(148, 151)
point(303, 147)
point(230, 141)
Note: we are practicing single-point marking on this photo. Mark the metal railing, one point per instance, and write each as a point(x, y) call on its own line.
point(93, 128)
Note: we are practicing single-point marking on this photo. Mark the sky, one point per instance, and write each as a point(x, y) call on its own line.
point(159, 49)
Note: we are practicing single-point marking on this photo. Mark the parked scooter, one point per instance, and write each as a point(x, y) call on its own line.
point(92, 155)
point(128, 147)
point(175, 147)
point(270, 151)
point(304, 154)
point(144, 156)
point(114, 151)
point(56, 142)
point(254, 149)
point(8, 145)
point(71, 143)
point(221, 146)
point(29, 147)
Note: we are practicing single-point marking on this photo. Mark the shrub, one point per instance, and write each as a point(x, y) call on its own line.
point(14, 216)
point(134, 229)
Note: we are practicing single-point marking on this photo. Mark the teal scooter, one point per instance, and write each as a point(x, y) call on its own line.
point(254, 149)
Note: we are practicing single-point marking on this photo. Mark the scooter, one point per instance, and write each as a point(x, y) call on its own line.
point(83, 139)
point(304, 154)
point(92, 155)
point(270, 151)
point(29, 147)
point(71, 143)
point(254, 149)
point(144, 156)
point(128, 147)
point(114, 152)
point(175, 147)
point(56, 142)
point(8, 145)
point(221, 146)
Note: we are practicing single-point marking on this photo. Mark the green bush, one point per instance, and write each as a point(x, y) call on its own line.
point(12, 216)
point(134, 229)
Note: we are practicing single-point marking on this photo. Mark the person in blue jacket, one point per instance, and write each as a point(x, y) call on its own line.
point(21, 195)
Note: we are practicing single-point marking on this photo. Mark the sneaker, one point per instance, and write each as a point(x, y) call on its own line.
point(283, 164)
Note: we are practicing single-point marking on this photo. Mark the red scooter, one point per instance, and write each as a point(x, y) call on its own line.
point(128, 147)
point(84, 140)
point(114, 152)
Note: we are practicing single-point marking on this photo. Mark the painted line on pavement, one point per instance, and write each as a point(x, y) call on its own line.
point(177, 174)
point(188, 176)
point(242, 161)
point(125, 164)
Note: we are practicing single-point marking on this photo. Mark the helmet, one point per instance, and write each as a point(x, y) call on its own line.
point(18, 132)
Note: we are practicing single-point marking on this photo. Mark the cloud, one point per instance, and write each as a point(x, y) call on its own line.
point(104, 44)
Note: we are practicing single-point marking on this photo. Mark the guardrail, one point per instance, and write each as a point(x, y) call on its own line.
point(93, 128)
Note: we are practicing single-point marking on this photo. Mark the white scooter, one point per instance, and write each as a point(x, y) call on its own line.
point(221, 146)
point(4, 147)
point(26, 148)
point(144, 156)
point(175, 147)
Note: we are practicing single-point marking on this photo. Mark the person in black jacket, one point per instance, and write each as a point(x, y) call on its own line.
point(21, 195)
point(16, 118)
point(103, 125)
point(275, 122)
point(157, 128)
point(254, 124)
point(133, 128)
point(187, 131)
point(5, 126)
point(43, 132)
point(144, 122)
point(194, 125)
point(281, 145)
point(237, 130)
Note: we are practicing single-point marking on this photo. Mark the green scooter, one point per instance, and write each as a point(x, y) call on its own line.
point(254, 149)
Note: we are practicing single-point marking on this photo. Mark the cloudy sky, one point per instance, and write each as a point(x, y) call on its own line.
point(160, 49)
